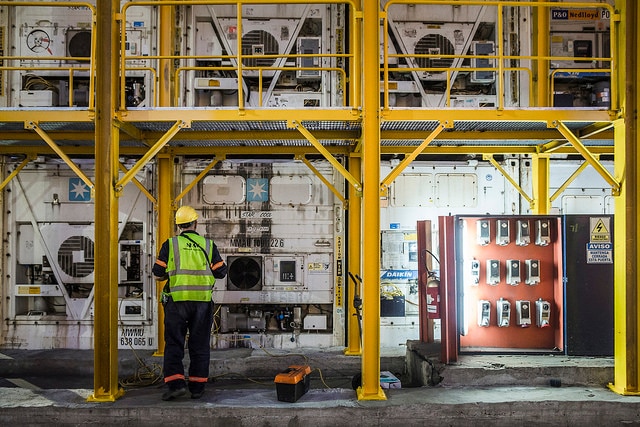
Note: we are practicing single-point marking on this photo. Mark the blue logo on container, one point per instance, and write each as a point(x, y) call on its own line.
point(79, 191)
point(257, 189)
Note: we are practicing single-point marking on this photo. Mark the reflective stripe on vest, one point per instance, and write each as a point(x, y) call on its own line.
point(190, 277)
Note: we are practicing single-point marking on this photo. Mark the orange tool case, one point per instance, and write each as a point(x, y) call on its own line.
point(293, 383)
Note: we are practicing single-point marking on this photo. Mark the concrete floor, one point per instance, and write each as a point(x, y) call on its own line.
point(51, 388)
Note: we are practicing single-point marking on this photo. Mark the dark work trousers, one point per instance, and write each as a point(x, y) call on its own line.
point(197, 318)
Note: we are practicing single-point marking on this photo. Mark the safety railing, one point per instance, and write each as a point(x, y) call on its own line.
point(338, 70)
point(43, 63)
point(514, 74)
point(513, 64)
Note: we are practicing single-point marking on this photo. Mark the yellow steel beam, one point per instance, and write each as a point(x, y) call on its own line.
point(343, 150)
point(596, 130)
point(506, 115)
point(348, 135)
point(264, 149)
point(626, 246)
point(568, 181)
point(150, 154)
point(551, 146)
point(500, 46)
point(342, 114)
point(15, 172)
point(164, 230)
point(371, 389)
point(130, 130)
point(626, 243)
point(326, 182)
point(34, 126)
point(541, 48)
point(286, 135)
point(201, 175)
point(49, 115)
point(541, 203)
point(164, 226)
point(588, 156)
point(354, 264)
point(106, 384)
point(506, 175)
point(327, 155)
point(166, 45)
point(492, 135)
point(488, 149)
point(384, 185)
point(239, 62)
point(265, 114)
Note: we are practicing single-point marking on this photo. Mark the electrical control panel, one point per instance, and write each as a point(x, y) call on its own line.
point(516, 259)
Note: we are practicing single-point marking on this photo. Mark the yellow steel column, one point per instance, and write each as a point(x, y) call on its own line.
point(540, 180)
point(542, 48)
point(164, 228)
point(105, 379)
point(626, 225)
point(165, 162)
point(354, 259)
point(370, 389)
point(165, 69)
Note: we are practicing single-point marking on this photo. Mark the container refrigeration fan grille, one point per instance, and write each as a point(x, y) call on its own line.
point(434, 44)
point(259, 42)
point(79, 43)
point(76, 256)
point(245, 273)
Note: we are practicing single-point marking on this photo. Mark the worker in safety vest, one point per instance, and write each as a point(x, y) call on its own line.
point(191, 263)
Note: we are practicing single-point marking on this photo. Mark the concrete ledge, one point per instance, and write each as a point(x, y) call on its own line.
point(433, 406)
point(424, 368)
point(529, 370)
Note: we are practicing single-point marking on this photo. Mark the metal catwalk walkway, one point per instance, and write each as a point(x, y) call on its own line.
point(51, 388)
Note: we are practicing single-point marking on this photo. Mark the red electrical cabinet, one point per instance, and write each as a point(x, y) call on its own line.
point(501, 277)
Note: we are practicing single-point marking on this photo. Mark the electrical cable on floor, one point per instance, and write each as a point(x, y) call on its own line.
point(145, 375)
point(304, 356)
point(259, 346)
point(151, 374)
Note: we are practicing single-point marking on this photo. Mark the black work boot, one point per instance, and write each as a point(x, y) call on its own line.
point(177, 388)
point(172, 394)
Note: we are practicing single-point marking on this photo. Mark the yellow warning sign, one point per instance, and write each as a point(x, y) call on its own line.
point(600, 230)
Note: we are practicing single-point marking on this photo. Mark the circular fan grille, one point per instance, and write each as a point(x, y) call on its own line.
point(79, 44)
point(434, 44)
point(76, 256)
point(259, 42)
point(245, 273)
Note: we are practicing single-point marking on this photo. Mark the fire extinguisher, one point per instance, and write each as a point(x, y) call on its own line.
point(433, 290)
point(433, 297)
